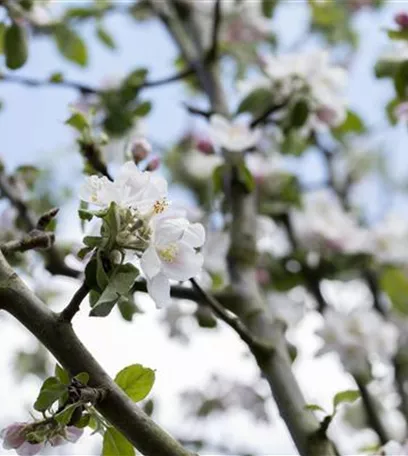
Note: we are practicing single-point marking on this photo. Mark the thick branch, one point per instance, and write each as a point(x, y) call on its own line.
point(59, 338)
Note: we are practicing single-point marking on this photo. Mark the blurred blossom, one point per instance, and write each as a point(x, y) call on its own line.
point(391, 240)
point(271, 238)
point(357, 337)
point(264, 167)
point(215, 251)
point(282, 307)
point(324, 226)
point(393, 448)
point(232, 135)
point(200, 166)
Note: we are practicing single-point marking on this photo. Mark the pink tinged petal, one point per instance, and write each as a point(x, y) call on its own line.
point(13, 435)
point(57, 440)
point(29, 449)
point(159, 290)
point(186, 264)
point(194, 235)
point(73, 434)
point(150, 262)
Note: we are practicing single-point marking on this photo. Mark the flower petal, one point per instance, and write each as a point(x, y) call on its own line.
point(194, 235)
point(187, 264)
point(150, 262)
point(29, 449)
point(159, 290)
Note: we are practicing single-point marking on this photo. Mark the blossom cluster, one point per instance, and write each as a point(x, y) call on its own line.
point(308, 77)
point(20, 437)
point(162, 238)
point(358, 337)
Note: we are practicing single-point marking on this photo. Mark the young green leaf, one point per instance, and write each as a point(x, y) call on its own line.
point(2, 33)
point(51, 390)
point(83, 378)
point(115, 444)
point(345, 396)
point(142, 109)
point(71, 45)
point(64, 417)
point(62, 375)
point(314, 408)
point(105, 37)
point(78, 121)
point(119, 285)
point(15, 46)
point(256, 102)
point(136, 381)
point(299, 114)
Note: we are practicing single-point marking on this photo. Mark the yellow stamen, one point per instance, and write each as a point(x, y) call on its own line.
point(169, 253)
point(160, 205)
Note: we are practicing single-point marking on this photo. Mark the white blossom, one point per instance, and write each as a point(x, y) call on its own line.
point(358, 336)
point(282, 307)
point(142, 191)
point(390, 239)
point(393, 448)
point(324, 226)
point(171, 254)
point(232, 135)
point(201, 166)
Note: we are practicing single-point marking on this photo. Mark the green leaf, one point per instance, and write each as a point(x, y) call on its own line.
point(314, 408)
point(78, 121)
point(111, 226)
point(82, 253)
point(83, 378)
point(92, 241)
point(115, 444)
point(51, 390)
point(245, 177)
point(64, 417)
point(136, 381)
point(398, 34)
point(102, 278)
point(401, 80)
point(218, 178)
point(15, 46)
point(90, 275)
point(299, 114)
point(390, 109)
point(268, 7)
point(62, 375)
point(386, 68)
point(136, 78)
point(105, 37)
point(394, 282)
point(352, 124)
point(83, 421)
point(56, 77)
point(119, 285)
point(85, 214)
point(2, 33)
point(256, 102)
point(71, 45)
point(127, 307)
point(345, 396)
point(142, 109)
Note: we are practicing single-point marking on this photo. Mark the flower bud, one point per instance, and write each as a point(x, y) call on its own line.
point(141, 148)
point(401, 19)
point(204, 146)
point(153, 164)
point(13, 436)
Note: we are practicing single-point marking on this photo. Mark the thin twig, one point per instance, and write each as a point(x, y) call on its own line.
point(233, 321)
point(213, 52)
point(74, 305)
point(34, 240)
point(198, 111)
point(264, 116)
point(87, 89)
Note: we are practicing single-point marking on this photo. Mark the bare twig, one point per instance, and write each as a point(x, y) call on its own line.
point(264, 116)
point(213, 52)
point(233, 321)
point(34, 240)
point(73, 307)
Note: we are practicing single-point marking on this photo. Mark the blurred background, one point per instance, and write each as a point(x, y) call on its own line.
point(207, 386)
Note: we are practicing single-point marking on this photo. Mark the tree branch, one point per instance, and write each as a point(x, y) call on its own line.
point(73, 307)
point(60, 339)
point(54, 259)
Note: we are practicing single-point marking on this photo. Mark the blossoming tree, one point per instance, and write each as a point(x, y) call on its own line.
point(262, 249)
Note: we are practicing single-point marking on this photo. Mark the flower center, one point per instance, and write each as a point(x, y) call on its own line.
point(169, 253)
point(160, 206)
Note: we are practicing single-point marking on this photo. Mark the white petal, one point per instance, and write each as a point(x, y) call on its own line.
point(194, 235)
point(150, 262)
point(219, 128)
point(169, 230)
point(187, 264)
point(159, 290)
point(27, 449)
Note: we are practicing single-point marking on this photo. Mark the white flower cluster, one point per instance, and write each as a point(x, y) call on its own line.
point(324, 226)
point(359, 336)
point(307, 76)
point(163, 239)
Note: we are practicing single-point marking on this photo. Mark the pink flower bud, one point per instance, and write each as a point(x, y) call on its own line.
point(13, 436)
point(401, 19)
point(72, 433)
point(153, 164)
point(29, 449)
point(204, 146)
point(326, 115)
point(141, 148)
point(262, 276)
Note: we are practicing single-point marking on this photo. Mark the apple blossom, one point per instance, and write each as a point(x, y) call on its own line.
point(390, 240)
point(171, 254)
point(232, 135)
point(282, 307)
